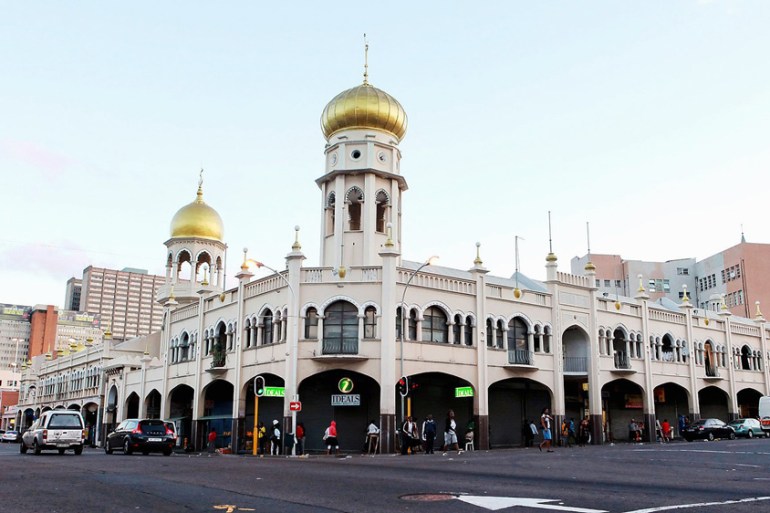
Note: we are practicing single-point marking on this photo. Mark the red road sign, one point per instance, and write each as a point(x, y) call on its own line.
point(295, 406)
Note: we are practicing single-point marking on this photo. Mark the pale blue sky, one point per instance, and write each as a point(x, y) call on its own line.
point(648, 119)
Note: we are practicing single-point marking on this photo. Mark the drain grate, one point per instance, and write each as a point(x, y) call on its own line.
point(428, 497)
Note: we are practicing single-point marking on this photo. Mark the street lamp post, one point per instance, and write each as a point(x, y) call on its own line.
point(428, 262)
point(294, 344)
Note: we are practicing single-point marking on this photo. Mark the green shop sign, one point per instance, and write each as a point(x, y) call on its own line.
point(464, 392)
point(275, 391)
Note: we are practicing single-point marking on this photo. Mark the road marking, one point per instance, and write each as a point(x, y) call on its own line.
point(699, 505)
point(704, 451)
point(495, 503)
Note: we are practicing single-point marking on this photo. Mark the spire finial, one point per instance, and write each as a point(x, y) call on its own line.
point(200, 186)
point(516, 289)
point(366, 61)
point(296, 246)
point(743, 237)
point(478, 261)
point(550, 257)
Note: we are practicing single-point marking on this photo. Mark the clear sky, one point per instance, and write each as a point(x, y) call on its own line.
point(650, 120)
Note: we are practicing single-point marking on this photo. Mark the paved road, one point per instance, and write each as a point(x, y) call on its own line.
point(617, 479)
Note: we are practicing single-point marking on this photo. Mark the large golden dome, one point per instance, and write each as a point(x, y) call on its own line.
point(364, 106)
point(197, 219)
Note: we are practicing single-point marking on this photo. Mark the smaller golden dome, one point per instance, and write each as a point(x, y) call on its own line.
point(590, 267)
point(198, 220)
point(364, 106)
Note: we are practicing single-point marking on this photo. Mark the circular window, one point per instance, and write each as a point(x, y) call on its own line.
point(356, 154)
point(333, 159)
point(381, 157)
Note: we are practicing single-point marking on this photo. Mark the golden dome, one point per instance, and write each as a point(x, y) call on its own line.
point(197, 220)
point(364, 106)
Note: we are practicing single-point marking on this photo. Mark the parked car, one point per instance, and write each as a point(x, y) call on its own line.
point(747, 427)
point(764, 413)
point(10, 436)
point(708, 429)
point(141, 435)
point(171, 426)
point(55, 429)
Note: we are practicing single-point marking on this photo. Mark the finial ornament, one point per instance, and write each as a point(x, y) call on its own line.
point(200, 187)
point(641, 285)
point(758, 315)
point(685, 299)
point(478, 260)
point(366, 61)
point(389, 242)
point(296, 246)
point(245, 265)
point(205, 281)
point(517, 290)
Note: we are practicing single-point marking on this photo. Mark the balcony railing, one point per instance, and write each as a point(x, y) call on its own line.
point(575, 364)
point(340, 346)
point(621, 360)
point(521, 357)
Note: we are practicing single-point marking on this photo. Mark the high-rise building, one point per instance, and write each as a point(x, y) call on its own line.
point(736, 277)
point(72, 295)
point(15, 330)
point(124, 300)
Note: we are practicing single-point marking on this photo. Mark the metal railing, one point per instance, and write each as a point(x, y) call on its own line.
point(575, 364)
point(712, 372)
point(621, 360)
point(521, 357)
point(340, 346)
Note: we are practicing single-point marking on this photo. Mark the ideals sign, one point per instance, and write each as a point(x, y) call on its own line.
point(346, 399)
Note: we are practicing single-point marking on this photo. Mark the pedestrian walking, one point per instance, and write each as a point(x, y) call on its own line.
point(300, 434)
point(584, 431)
point(275, 438)
point(666, 429)
point(450, 433)
point(212, 445)
point(408, 429)
point(429, 433)
point(330, 438)
point(545, 424)
point(261, 438)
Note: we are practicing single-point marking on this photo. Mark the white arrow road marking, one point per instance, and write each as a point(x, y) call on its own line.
point(699, 505)
point(495, 503)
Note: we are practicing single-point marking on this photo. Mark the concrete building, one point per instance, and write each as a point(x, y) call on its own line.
point(15, 329)
point(740, 274)
point(334, 340)
point(124, 300)
point(72, 294)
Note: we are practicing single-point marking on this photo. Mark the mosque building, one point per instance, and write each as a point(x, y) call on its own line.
point(333, 342)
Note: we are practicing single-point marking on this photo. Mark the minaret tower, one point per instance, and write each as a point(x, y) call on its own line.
point(362, 183)
point(195, 254)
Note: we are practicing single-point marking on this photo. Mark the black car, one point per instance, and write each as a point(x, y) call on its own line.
point(708, 429)
point(140, 435)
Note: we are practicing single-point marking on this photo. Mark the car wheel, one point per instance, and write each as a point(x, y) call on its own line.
point(732, 435)
point(750, 434)
point(23, 448)
point(127, 447)
point(107, 448)
point(36, 448)
point(167, 452)
point(61, 451)
point(688, 439)
point(78, 450)
point(711, 437)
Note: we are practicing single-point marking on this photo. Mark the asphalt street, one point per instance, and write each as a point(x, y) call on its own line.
point(700, 476)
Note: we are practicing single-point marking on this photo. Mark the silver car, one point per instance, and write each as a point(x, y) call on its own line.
point(56, 430)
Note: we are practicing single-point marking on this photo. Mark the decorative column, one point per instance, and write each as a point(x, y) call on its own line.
point(236, 341)
point(388, 343)
point(687, 307)
point(733, 401)
point(649, 389)
point(761, 322)
point(481, 397)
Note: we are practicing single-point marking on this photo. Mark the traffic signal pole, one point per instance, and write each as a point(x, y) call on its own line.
point(258, 390)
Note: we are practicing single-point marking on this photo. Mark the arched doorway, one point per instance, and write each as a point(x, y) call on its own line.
point(436, 393)
point(748, 403)
point(132, 406)
point(575, 341)
point(511, 402)
point(217, 414)
point(152, 405)
point(90, 416)
point(180, 413)
point(111, 417)
point(270, 409)
point(713, 403)
point(671, 402)
point(323, 401)
point(622, 401)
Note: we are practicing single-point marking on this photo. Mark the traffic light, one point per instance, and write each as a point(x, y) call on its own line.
point(259, 386)
point(403, 386)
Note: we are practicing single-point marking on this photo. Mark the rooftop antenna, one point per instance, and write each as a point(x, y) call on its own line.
point(588, 239)
point(366, 61)
point(743, 237)
point(550, 241)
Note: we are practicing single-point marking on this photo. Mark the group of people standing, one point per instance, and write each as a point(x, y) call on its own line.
point(571, 433)
point(414, 438)
point(278, 440)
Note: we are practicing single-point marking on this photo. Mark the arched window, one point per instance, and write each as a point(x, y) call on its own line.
point(311, 324)
point(370, 322)
point(382, 209)
point(355, 198)
point(399, 322)
point(330, 206)
point(547, 339)
point(457, 329)
point(538, 338)
point(267, 327)
point(490, 333)
point(746, 358)
point(517, 335)
point(667, 348)
point(434, 325)
point(340, 329)
point(499, 331)
point(185, 346)
point(469, 331)
point(412, 329)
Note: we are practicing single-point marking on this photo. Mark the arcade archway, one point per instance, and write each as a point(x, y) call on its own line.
point(622, 401)
point(748, 403)
point(217, 413)
point(181, 412)
point(713, 403)
point(270, 409)
point(511, 402)
point(671, 401)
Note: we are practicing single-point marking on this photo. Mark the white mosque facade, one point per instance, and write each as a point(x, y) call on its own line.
point(333, 341)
